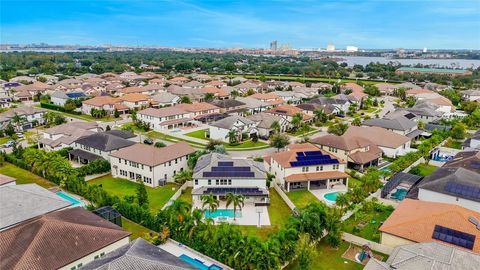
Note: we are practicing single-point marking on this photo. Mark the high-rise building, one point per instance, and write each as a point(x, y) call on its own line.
point(330, 47)
point(352, 49)
point(273, 45)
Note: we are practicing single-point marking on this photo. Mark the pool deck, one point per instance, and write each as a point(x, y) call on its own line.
point(249, 214)
point(319, 193)
point(175, 248)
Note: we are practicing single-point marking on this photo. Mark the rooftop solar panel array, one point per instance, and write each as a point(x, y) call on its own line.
point(309, 158)
point(243, 191)
point(75, 95)
point(228, 174)
point(226, 169)
point(230, 169)
point(225, 163)
point(454, 237)
point(463, 190)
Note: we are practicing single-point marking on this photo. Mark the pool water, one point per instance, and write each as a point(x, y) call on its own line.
point(69, 198)
point(198, 264)
point(222, 213)
point(332, 196)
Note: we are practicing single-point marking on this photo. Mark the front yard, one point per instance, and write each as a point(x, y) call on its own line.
point(365, 222)
point(423, 169)
point(301, 198)
point(24, 176)
point(157, 197)
point(200, 134)
point(450, 143)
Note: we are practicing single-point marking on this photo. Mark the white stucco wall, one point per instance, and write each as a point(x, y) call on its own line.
point(432, 196)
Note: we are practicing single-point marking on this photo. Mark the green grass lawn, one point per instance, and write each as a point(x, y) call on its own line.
point(168, 138)
point(423, 169)
point(199, 134)
point(301, 198)
point(186, 195)
point(367, 229)
point(157, 197)
point(4, 140)
point(453, 144)
point(85, 117)
point(24, 176)
point(353, 182)
point(301, 132)
point(278, 212)
point(136, 229)
point(328, 258)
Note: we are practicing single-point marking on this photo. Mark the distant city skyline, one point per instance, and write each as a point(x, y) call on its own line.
point(444, 24)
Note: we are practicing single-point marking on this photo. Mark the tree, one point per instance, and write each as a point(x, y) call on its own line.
point(185, 99)
point(116, 114)
point(270, 178)
point(183, 176)
point(208, 97)
point(108, 128)
point(459, 131)
point(211, 201)
point(42, 79)
point(296, 120)
point(421, 124)
point(305, 252)
point(142, 195)
point(371, 90)
point(235, 93)
point(320, 116)
point(237, 200)
point(232, 136)
point(275, 126)
point(250, 92)
point(219, 148)
point(212, 143)
point(159, 144)
point(18, 120)
point(332, 226)
point(342, 200)
point(470, 106)
point(70, 105)
point(338, 129)
point(279, 141)
point(356, 122)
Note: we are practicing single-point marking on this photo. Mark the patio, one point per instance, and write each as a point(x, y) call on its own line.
point(320, 193)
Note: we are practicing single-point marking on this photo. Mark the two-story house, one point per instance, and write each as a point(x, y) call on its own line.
point(165, 118)
point(219, 130)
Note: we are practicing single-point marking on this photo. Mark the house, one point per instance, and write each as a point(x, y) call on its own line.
point(425, 112)
point(288, 111)
point(179, 80)
point(28, 117)
point(149, 89)
point(20, 203)
point(289, 96)
point(359, 153)
point(218, 93)
point(263, 123)
point(6, 180)
point(152, 165)
point(59, 98)
point(64, 135)
point(457, 186)
point(356, 97)
point(129, 76)
point(306, 166)
point(271, 99)
point(219, 174)
point(219, 130)
point(471, 95)
point(66, 239)
point(386, 88)
point(193, 84)
point(229, 105)
point(328, 105)
point(253, 105)
point(201, 111)
point(415, 221)
point(391, 143)
point(426, 256)
point(441, 103)
point(165, 99)
point(107, 103)
point(400, 125)
point(135, 100)
point(195, 95)
point(124, 134)
point(138, 254)
point(472, 143)
point(352, 87)
point(165, 118)
point(469, 160)
point(95, 146)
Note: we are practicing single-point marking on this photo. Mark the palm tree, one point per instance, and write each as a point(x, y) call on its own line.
point(183, 176)
point(211, 201)
point(232, 136)
point(275, 126)
point(342, 200)
point(320, 116)
point(297, 120)
point(208, 97)
point(237, 200)
point(18, 120)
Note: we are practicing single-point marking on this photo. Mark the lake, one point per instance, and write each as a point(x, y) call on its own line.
point(449, 63)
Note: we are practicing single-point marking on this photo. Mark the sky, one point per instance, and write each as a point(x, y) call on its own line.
point(372, 24)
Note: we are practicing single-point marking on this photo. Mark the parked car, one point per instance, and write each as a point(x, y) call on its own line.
point(8, 144)
point(148, 141)
point(19, 134)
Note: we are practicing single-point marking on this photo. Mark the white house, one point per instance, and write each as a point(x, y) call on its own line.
point(165, 118)
point(263, 123)
point(220, 129)
point(154, 166)
point(59, 98)
point(29, 116)
point(58, 137)
point(305, 166)
point(471, 95)
point(97, 145)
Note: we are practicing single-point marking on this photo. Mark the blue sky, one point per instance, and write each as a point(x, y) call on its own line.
point(302, 24)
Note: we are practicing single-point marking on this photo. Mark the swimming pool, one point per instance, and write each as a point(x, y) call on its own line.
point(222, 213)
point(69, 198)
point(198, 264)
point(332, 196)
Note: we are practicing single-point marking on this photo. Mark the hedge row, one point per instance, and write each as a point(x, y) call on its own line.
point(57, 108)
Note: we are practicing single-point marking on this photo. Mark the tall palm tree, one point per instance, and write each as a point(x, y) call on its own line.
point(232, 136)
point(211, 201)
point(320, 116)
point(342, 200)
point(183, 176)
point(18, 120)
point(237, 200)
point(275, 126)
point(297, 120)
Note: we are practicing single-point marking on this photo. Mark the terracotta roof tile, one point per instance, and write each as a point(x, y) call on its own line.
point(153, 156)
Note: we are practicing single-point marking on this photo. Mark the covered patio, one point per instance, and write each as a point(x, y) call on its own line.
point(317, 180)
point(81, 156)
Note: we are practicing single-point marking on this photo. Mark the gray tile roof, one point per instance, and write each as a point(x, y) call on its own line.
point(227, 103)
point(228, 122)
point(140, 255)
point(22, 202)
point(427, 256)
point(206, 162)
point(265, 120)
point(104, 142)
point(399, 123)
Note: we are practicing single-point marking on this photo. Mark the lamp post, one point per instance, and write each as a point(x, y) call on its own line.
point(259, 210)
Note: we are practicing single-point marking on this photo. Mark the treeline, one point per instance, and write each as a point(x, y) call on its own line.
point(223, 242)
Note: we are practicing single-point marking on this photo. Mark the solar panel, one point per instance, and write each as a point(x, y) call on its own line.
point(281, 111)
point(463, 190)
point(313, 162)
point(455, 237)
point(475, 164)
point(244, 191)
point(228, 174)
point(313, 153)
point(225, 163)
point(230, 169)
point(75, 95)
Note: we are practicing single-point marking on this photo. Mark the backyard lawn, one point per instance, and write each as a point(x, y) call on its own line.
point(328, 258)
point(300, 132)
point(199, 134)
point(4, 140)
point(278, 211)
point(353, 182)
point(301, 198)
point(186, 195)
point(24, 176)
point(423, 169)
point(453, 144)
point(157, 197)
point(136, 229)
point(366, 223)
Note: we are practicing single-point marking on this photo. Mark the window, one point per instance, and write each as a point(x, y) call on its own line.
point(151, 168)
point(321, 168)
point(196, 181)
point(229, 182)
point(216, 182)
point(119, 160)
point(318, 168)
point(170, 163)
point(176, 161)
point(304, 169)
point(209, 182)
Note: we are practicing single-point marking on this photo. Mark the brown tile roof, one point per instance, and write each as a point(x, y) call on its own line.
point(284, 158)
point(342, 142)
point(415, 220)
point(378, 135)
point(163, 112)
point(419, 91)
point(102, 100)
point(288, 110)
point(56, 239)
point(364, 157)
point(153, 156)
point(353, 86)
point(134, 97)
point(196, 107)
point(304, 177)
point(217, 91)
point(180, 79)
point(263, 96)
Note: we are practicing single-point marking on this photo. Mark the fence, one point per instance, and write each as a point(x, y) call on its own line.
point(421, 160)
point(359, 241)
point(177, 194)
point(284, 197)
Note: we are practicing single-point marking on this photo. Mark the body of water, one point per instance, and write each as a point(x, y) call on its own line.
point(448, 63)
